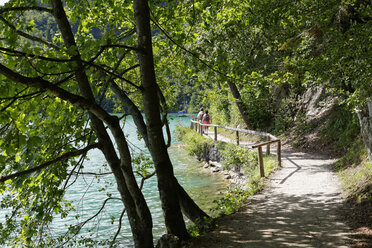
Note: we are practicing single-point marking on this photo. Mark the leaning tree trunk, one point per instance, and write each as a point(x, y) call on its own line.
point(138, 212)
point(239, 103)
point(188, 205)
point(168, 194)
point(365, 121)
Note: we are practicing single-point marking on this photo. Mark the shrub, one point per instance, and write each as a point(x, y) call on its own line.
point(238, 158)
point(196, 145)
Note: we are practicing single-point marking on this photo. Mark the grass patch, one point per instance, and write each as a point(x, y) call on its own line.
point(355, 172)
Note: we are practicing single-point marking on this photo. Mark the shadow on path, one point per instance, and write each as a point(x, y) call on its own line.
point(298, 208)
point(281, 221)
point(291, 174)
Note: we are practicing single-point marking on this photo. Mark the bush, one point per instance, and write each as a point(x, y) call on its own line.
point(238, 158)
point(196, 145)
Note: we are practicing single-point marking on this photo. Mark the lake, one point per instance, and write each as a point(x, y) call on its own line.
point(89, 192)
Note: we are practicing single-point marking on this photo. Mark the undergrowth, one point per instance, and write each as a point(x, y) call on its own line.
point(342, 131)
point(235, 158)
point(355, 172)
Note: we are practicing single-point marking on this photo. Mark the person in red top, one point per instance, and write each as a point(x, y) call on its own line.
point(206, 120)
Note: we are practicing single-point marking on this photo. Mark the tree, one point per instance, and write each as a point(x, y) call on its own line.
point(71, 74)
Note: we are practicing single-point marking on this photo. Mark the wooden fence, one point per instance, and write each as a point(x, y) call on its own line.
point(271, 139)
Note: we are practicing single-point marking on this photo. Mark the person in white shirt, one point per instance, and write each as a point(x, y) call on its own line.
point(200, 115)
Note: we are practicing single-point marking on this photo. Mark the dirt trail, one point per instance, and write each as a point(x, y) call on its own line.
point(297, 208)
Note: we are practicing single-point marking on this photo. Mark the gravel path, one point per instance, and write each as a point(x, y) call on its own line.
point(297, 208)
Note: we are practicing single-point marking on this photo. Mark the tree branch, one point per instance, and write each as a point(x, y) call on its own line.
point(99, 67)
point(120, 46)
point(28, 36)
point(44, 165)
point(16, 97)
point(129, 69)
point(119, 228)
point(74, 99)
point(80, 225)
point(184, 49)
point(12, 52)
point(145, 178)
point(28, 8)
point(91, 173)
point(132, 109)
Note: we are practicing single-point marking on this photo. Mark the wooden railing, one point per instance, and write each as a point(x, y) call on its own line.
point(271, 139)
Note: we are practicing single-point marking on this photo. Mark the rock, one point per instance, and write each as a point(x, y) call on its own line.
point(227, 176)
point(215, 169)
point(213, 154)
point(215, 164)
point(206, 165)
point(168, 241)
point(316, 103)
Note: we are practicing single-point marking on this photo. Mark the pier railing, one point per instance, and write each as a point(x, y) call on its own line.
point(270, 139)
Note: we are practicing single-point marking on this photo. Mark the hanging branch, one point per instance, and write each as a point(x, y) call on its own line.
point(79, 226)
point(78, 164)
point(46, 164)
point(119, 228)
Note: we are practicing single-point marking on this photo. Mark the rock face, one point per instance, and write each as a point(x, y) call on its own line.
point(210, 153)
point(316, 103)
point(213, 154)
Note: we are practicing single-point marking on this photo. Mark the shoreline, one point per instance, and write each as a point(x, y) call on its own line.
point(237, 179)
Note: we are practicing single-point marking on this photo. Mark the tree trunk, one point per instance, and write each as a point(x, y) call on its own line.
point(188, 206)
point(135, 204)
point(365, 121)
point(239, 103)
point(168, 194)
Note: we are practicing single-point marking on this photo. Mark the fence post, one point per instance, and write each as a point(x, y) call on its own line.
point(268, 146)
point(260, 161)
point(215, 133)
point(279, 154)
point(237, 137)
